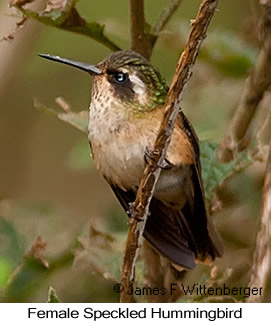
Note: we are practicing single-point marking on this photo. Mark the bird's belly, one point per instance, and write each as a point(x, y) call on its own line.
point(122, 165)
point(120, 162)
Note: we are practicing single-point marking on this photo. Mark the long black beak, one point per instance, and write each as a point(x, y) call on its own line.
point(91, 69)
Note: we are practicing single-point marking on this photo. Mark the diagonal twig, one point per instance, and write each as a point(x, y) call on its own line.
point(152, 170)
point(162, 21)
point(165, 16)
point(257, 82)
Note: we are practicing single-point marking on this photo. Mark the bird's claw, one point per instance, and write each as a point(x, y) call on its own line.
point(131, 212)
point(147, 155)
point(166, 164)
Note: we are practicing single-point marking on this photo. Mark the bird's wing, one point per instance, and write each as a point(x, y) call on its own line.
point(164, 229)
point(206, 238)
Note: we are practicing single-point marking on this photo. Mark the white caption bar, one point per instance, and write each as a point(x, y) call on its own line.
point(110, 312)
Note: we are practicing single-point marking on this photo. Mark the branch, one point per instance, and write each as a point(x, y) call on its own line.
point(261, 268)
point(255, 86)
point(62, 14)
point(151, 173)
point(140, 41)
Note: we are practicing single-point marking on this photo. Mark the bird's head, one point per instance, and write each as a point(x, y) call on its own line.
point(126, 78)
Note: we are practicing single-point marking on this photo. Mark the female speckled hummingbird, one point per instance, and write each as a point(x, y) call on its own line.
point(125, 113)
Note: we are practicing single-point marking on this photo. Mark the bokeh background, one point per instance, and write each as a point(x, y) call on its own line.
point(48, 185)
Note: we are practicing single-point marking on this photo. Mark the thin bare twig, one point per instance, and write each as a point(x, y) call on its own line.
point(261, 268)
point(258, 81)
point(162, 21)
point(152, 170)
point(165, 16)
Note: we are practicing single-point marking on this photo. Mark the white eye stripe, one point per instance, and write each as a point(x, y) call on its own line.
point(138, 86)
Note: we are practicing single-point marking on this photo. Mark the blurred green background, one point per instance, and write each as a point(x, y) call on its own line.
point(48, 186)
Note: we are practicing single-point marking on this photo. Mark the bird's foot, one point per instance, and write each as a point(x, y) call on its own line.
point(147, 155)
point(131, 213)
point(166, 164)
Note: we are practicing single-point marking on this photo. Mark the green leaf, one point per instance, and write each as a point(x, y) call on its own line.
point(5, 271)
point(26, 278)
point(33, 271)
point(214, 172)
point(52, 297)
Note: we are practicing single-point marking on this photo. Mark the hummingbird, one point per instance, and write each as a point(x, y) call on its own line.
point(126, 110)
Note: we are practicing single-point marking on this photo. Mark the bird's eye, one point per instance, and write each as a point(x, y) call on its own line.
point(120, 77)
